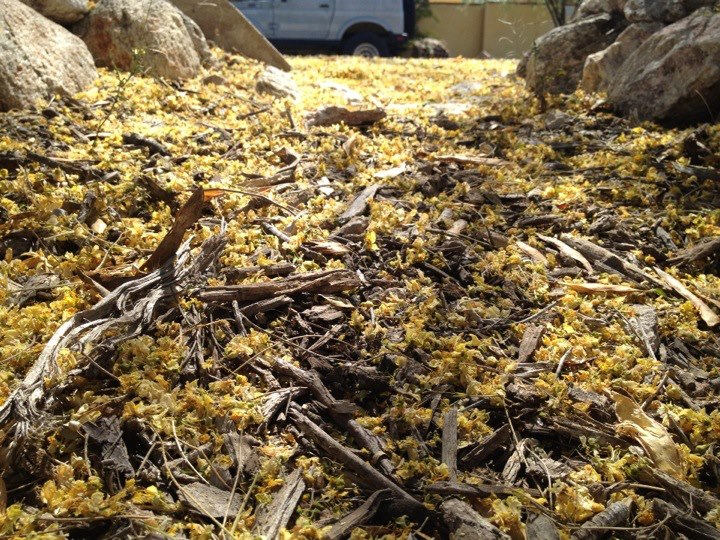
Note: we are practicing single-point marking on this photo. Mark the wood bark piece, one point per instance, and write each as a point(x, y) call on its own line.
point(366, 474)
point(114, 457)
point(645, 325)
point(325, 282)
point(273, 270)
point(464, 523)
point(358, 517)
point(683, 523)
point(152, 146)
point(360, 203)
point(449, 442)
point(271, 519)
point(478, 490)
point(530, 340)
point(602, 255)
point(479, 451)
point(186, 218)
point(209, 500)
point(339, 411)
point(568, 251)
point(692, 498)
point(615, 515)
point(704, 249)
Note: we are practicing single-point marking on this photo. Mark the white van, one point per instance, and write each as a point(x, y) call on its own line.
point(365, 28)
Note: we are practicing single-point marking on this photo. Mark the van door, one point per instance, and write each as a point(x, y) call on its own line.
point(302, 19)
point(258, 12)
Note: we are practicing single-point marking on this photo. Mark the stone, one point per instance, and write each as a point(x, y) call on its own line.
point(666, 11)
point(227, 27)
point(151, 36)
point(276, 82)
point(588, 8)
point(555, 62)
point(38, 58)
point(674, 76)
point(60, 11)
point(602, 67)
point(429, 48)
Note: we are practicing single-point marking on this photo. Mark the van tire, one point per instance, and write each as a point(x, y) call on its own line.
point(365, 44)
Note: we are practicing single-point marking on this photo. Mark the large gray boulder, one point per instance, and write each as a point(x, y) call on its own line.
point(152, 36)
point(38, 58)
point(60, 11)
point(601, 68)
point(555, 62)
point(588, 8)
point(665, 11)
point(674, 76)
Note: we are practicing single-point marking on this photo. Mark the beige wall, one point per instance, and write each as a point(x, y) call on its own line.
point(460, 27)
point(510, 29)
point(504, 30)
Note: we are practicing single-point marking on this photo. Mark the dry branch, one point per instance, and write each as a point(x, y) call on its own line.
point(325, 282)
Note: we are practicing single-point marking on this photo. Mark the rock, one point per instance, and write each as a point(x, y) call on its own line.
point(276, 82)
point(60, 11)
point(38, 58)
point(170, 44)
point(215, 79)
point(556, 60)
point(226, 27)
point(429, 48)
point(674, 76)
point(588, 8)
point(602, 67)
point(666, 11)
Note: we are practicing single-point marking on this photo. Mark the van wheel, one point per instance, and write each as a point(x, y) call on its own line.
point(367, 45)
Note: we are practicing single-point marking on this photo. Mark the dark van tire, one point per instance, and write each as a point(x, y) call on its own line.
point(365, 44)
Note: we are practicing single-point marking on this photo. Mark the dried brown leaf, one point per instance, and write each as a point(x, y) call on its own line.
point(652, 436)
point(707, 314)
